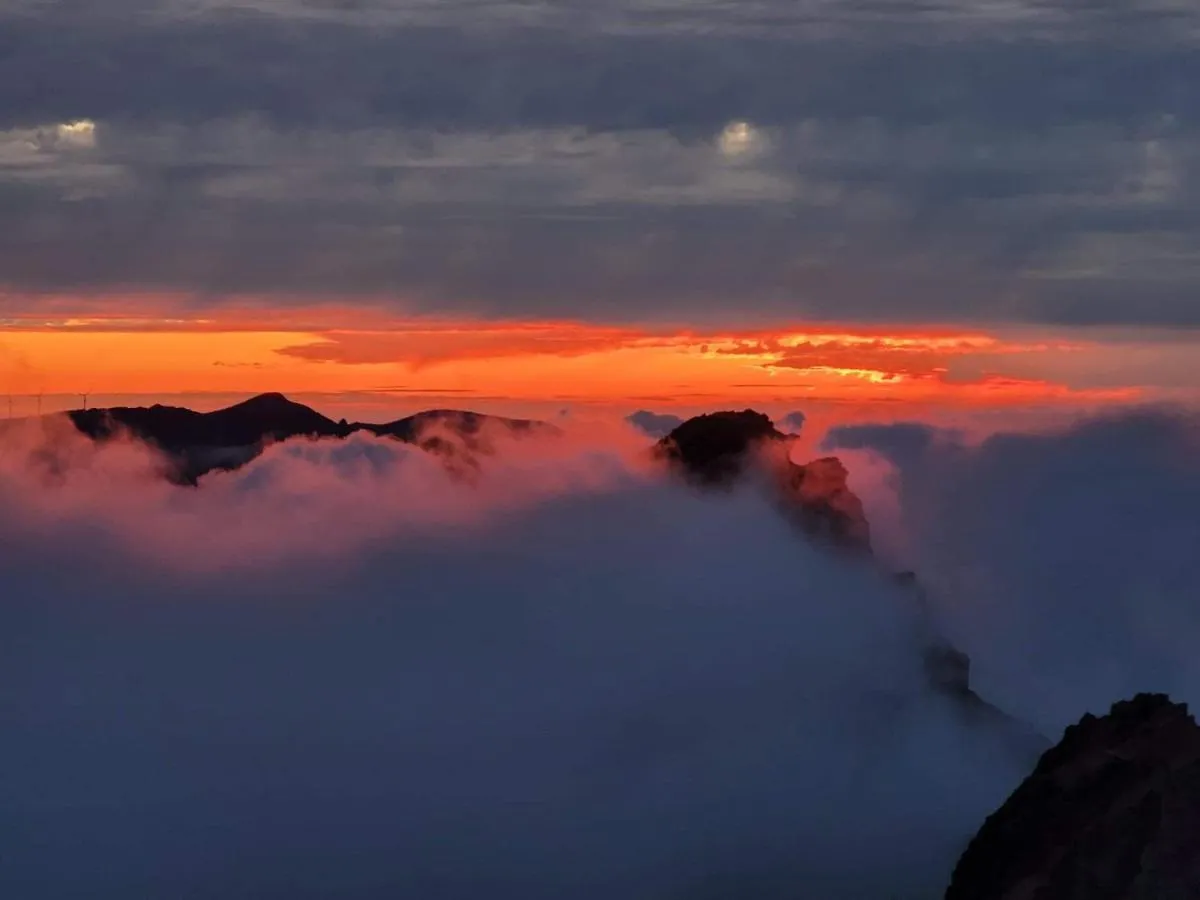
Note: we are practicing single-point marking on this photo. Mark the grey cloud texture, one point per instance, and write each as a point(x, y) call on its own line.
point(1017, 162)
point(982, 162)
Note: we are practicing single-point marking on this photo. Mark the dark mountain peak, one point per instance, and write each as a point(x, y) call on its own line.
point(268, 402)
point(463, 423)
point(1129, 721)
point(716, 449)
point(270, 408)
point(1112, 811)
point(197, 443)
point(265, 417)
point(713, 448)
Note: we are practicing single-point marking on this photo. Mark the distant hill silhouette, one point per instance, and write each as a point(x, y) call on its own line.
point(460, 422)
point(259, 419)
point(198, 443)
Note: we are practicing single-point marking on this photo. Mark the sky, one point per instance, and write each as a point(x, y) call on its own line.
point(636, 203)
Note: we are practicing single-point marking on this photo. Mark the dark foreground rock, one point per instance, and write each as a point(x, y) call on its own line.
point(1112, 812)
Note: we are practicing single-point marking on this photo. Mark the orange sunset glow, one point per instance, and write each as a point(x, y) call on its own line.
point(331, 350)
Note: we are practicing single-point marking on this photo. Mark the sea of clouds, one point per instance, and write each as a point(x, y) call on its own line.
point(1064, 561)
point(343, 671)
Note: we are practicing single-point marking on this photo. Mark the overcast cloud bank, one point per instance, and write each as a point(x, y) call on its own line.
point(901, 161)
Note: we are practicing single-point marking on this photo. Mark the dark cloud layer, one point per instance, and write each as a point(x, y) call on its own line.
point(1030, 162)
point(463, 74)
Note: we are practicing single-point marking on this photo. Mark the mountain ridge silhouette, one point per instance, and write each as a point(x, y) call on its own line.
point(197, 443)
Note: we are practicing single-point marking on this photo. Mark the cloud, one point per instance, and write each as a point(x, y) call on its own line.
point(902, 443)
point(341, 671)
point(425, 344)
point(793, 421)
point(1059, 560)
point(563, 164)
point(338, 670)
point(655, 425)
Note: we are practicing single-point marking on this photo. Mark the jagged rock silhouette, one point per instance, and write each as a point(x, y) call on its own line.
point(1111, 812)
point(715, 449)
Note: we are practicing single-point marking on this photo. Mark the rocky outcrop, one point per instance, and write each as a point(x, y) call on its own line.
point(1112, 812)
point(823, 503)
point(948, 672)
point(716, 449)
